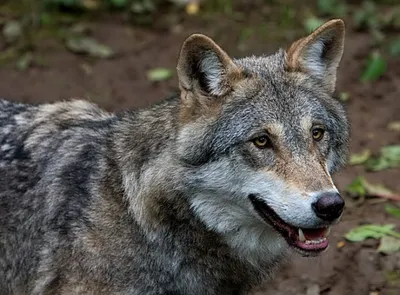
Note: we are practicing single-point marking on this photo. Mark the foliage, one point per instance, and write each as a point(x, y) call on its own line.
point(394, 47)
point(388, 236)
point(363, 232)
point(389, 158)
point(361, 187)
point(335, 8)
point(312, 23)
point(360, 158)
point(393, 210)
point(375, 67)
point(159, 74)
point(89, 46)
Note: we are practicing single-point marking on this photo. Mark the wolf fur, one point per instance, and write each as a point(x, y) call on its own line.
point(155, 201)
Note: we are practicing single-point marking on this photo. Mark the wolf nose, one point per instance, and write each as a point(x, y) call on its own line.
point(329, 207)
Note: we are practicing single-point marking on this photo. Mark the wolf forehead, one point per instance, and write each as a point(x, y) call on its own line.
point(280, 93)
point(272, 97)
point(270, 92)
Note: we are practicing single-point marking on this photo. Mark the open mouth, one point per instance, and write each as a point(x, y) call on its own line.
point(308, 241)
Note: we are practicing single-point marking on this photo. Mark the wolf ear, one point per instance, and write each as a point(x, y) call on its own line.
point(319, 54)
point(203, 67)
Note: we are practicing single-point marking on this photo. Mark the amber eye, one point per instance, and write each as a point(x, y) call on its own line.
point(318, 133)
point(262, 142)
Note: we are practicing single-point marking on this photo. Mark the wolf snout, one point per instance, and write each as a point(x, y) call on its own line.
point(329, 206)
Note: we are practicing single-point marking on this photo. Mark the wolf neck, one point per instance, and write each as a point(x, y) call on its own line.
point(143, 142)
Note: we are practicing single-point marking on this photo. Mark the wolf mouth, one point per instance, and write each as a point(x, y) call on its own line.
point(307, 241)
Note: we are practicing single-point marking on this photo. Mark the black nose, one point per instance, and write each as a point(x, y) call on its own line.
point(329, 206)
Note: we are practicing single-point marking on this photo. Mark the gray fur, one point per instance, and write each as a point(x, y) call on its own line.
point(151, 202)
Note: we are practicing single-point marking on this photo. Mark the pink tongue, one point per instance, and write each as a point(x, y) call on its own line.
point(314, 234)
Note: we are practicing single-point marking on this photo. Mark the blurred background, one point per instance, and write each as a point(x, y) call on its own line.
point(123, 53)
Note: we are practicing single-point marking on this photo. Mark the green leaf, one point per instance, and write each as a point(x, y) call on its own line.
point(392, 153)
point(313, 23)
point(89, 46)
point(394, 47)
point(331, 7)
point(366, 16)
point(360, 158)
point(159, 74)
point(389, 158)
point(393, 210)
point(45, 18)
point(389, 245)
point(141, 7)
point(357, 187)
point(24, 62)
point(375, 68)
point(119, 3)
point(326, 6)
point(361, 187)
point(364, 232)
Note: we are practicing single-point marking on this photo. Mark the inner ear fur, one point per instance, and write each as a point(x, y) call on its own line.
point(319, 54)
point(205, 68)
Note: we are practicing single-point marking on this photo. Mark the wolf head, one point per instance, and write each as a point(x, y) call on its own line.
point(259, 138)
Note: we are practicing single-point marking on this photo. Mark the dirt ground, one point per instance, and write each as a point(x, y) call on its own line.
point(121, 82)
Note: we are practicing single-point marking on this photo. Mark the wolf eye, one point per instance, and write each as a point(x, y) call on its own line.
point(262, 142)
point(318, 133)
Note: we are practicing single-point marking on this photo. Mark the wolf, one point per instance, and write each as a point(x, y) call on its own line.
point(203, 193)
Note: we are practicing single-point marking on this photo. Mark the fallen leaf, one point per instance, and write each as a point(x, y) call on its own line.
point(361, 187)
point(360, 158)
point(393, 210)
point(379, 190)
point(375, 67)
point(89, 46)
point(142, 6)
point(389, 158)
point(313, 23)
point(364, 232)
point(394, 126)
point(12, 31)
point(90, 4)
point(192, 8)
point(159, 74)
point(340, 244)
point(24, 62)
point(394, 47)
point(389, 245)
point(344, 96)
point(79, 29)
point(87, 69)
point(357, 187)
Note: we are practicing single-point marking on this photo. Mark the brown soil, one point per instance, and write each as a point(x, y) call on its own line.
point(354, 269)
